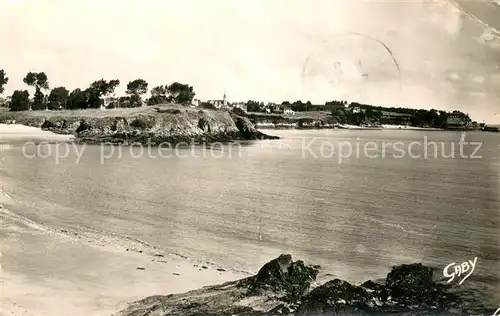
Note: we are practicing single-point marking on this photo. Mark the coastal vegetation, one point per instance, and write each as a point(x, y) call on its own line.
point(101, 94)
point(151, 125)
point(3, 80)
point(96, 95)
point(341, 112)
point(77, 113)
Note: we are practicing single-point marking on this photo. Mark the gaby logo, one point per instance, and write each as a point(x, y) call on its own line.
point(456, 270)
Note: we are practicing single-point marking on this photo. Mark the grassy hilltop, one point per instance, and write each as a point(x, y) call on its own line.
point(155, 124)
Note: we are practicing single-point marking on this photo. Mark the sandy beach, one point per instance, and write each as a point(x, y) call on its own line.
point(51, 273)
point(18, 132)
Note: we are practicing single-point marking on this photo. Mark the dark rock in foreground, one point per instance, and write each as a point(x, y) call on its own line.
point(285, 287)
point(281, 275)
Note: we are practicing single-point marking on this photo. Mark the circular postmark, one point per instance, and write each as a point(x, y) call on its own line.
point(350, 66)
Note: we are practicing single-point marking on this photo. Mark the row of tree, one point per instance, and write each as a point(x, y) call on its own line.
point(297, 106)
point(344, 113)
point(369, 114)
point(3, 80)
point(91, 97)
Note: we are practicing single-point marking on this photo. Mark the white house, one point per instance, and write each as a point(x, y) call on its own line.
point(195, 102)
point(240, 105)
point(288, 110)
point(356, 109)
point(106, 101)
point(455, 121)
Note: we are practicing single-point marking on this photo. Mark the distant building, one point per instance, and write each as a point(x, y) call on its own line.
point(239, 105)
point(106, 102)
point(275, 108)
point(216, 103)
point(455, 122)
point(395, 115)
point(195, 102)
point(357, 109)
point(288, 110)
point(219, 103)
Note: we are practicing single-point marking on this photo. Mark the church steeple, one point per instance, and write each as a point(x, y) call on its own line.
point(224, 100)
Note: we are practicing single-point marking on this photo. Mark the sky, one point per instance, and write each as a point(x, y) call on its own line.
point(414, 53)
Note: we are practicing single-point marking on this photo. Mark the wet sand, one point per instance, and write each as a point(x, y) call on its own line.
point(50, 273)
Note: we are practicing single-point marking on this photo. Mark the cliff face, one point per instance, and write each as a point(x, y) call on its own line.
point(149, 125)
point(286, 287)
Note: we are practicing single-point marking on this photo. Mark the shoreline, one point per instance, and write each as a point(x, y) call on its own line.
point(99, 273)
point(159, 124)
point(265, 126)
point(90, 270)
point(13, 132)
point(23, 132)
point(71, 258)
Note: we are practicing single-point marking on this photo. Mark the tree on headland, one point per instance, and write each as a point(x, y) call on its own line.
point(340, 115)
point(38, 100)
point(372, 114)
point(104, 87)
point(253, 106)
point(180, 93)
point(77, 99)
point(298, 106)
point(158, 95)
point(175, 93)
point(30, 79)
point(40, 82)
point(110, 89)
point(334, 105)
point(98, 89)
point(124, 102)
point(159, 91)
point(20, 100)
point(135, 89)
point(3, 80)
point(58, 98)
point(92, 97)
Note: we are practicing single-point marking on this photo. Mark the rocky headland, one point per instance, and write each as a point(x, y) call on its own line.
point(286, 287)
point(171, 124)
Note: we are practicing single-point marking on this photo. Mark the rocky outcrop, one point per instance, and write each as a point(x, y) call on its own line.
point(285, 287)
point(173, 124)
point(408, 289)
point(283, 277)
point(274, 289)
